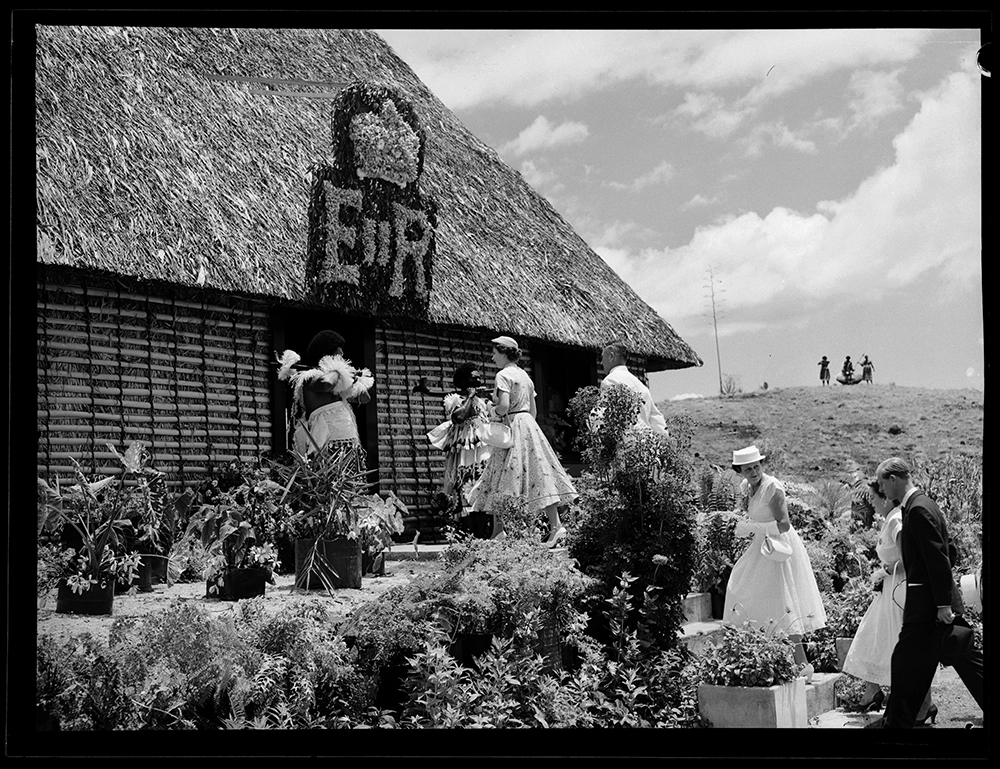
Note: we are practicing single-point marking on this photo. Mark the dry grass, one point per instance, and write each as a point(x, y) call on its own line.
point(829, 434)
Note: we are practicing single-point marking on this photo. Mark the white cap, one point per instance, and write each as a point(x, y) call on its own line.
point(506, 341)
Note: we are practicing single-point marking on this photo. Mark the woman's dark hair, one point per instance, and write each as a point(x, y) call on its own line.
point(873, 485)
point(512, 354)
point(323, 344)
point(463, 376)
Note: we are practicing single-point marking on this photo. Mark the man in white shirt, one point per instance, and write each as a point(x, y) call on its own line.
point(613, 359)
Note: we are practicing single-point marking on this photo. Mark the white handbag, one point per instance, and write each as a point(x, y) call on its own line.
point(498, 435)
point(775, 549)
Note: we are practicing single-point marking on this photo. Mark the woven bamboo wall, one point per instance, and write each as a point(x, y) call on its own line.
point(408, 464)
point(191, 379)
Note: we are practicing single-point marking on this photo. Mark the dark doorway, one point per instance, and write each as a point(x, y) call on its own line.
point(558, 373)
point(293, 330)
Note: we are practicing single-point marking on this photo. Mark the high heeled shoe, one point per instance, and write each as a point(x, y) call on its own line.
point(932, 712)
point(875, 703)
point(555, 537)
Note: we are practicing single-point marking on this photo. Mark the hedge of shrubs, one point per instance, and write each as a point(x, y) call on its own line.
point(593, 646)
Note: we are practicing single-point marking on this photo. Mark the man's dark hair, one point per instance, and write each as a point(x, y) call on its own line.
point(323, 344)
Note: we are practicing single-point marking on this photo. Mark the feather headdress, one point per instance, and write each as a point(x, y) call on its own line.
point(345, 380)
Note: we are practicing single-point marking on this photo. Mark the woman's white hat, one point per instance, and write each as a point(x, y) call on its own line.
point(506, 341)
point(747, 456)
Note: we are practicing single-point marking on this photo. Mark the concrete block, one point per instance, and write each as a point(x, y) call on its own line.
point(820, 697)
point(755, 707)
point(697, 607)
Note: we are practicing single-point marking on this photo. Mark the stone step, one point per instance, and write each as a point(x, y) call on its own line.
point(695, 635)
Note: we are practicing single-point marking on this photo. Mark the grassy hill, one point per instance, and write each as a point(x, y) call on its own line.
point(826, 433)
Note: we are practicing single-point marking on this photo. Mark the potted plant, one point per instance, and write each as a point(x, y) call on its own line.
point(146, 503)
point(748, 680)
point(378, 520)
point(89, 520)
point(323, 496)
point(237, 533)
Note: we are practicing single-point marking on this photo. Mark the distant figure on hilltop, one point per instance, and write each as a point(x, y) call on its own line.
point(824, 372)
point(848, 370)
point(867, 367)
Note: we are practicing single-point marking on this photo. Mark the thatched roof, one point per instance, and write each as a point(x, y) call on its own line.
point(150, 163)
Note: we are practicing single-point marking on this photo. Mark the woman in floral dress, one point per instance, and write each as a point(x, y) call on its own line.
point(467, 413)
point(529, 470)
point(766, 592)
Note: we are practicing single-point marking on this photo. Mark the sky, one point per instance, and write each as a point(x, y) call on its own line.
point(826, 183)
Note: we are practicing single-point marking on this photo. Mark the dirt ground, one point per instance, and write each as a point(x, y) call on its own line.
point(341, 603)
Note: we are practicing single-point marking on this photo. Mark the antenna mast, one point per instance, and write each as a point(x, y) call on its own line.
point(715, 322)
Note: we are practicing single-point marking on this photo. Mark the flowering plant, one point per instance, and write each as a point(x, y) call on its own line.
point(89, 516)
point(385, 147)
point(238, 526)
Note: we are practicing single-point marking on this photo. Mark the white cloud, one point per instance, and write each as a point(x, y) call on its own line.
point(709, 116)
point(466, 68)
point(778, 134)
point(663, 173)
point(699, 201)
point(921, 213)
point(877, 94)
point(543, 134)
point(536, 177)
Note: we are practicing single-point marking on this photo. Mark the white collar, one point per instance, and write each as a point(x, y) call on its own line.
point(902, 503)
point(615, 368)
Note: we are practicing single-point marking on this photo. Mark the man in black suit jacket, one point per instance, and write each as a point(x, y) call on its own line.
point(932, 602)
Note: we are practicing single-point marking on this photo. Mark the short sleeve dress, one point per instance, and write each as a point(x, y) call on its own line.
point(870, 655)
point(529, 470)
point(766, 592)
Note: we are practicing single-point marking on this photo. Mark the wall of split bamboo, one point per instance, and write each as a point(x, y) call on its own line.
point(190, 379)
point(408, 464)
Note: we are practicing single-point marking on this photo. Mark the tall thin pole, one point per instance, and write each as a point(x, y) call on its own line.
point(715, 324)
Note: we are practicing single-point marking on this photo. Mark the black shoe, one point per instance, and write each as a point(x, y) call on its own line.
point(932, 712)
point(875, 703)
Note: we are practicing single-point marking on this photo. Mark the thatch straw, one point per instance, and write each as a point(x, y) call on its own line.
point(149, 165)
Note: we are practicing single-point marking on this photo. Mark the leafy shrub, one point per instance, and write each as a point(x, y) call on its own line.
point(51, 565)
point(302, 671)
point(621, 684)
point(718, 549)
point(80, 685)
point(844, 612)
point(748, 656)
point(177, 664)
point(831, 498)
point(634, 504)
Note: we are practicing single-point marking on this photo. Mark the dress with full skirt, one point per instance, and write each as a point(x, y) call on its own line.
point(768, 593)
point(870, 656)
point(529, 470)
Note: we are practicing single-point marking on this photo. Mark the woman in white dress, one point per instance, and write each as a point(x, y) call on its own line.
point(870, 655)
point(529, 470)
point(767, 592)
